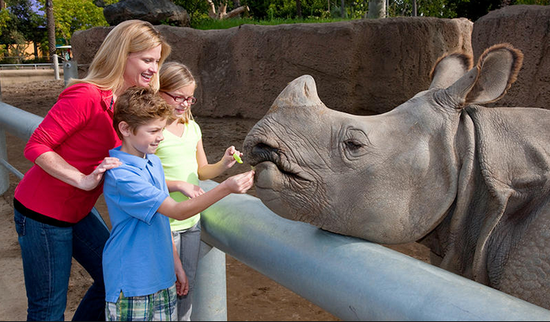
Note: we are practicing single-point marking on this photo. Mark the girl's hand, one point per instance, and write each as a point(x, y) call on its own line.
point(189, 189)
point(228, 160)
point(92, 180)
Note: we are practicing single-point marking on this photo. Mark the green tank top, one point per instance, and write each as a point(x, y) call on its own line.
point(179, 160)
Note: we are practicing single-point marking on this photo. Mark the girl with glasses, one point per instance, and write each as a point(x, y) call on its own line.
point(185, 163)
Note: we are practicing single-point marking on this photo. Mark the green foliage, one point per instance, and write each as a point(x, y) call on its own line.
point(4, 19)
point(197, 10)
point(74, 15)
point(230, 23)
point(532, 2)
point(286, 9)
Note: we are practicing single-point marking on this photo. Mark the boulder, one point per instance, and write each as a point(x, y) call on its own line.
point(154, 11)
point(526, 27)
point(362, 67)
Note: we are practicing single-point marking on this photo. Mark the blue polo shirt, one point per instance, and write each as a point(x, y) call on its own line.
point(138, 257)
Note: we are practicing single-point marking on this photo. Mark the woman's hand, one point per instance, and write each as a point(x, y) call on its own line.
point(92, 180)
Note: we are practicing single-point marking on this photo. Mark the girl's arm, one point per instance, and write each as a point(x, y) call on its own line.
point(208, 171)
point(188, 189)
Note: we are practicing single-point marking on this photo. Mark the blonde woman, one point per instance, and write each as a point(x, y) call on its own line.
point(70, 152)
point(184, 162)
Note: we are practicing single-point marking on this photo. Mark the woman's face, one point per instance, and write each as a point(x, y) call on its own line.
point(183, 93)
point(141, 66)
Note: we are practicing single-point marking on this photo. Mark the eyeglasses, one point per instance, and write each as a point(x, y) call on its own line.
point(180, 99)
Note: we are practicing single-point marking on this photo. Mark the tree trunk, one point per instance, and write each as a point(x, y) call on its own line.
point(342, 9)
point(377, 9)
point(2, 4)
point(50, 25)
point(415, 9)
point(221, 12)
point(299, 8)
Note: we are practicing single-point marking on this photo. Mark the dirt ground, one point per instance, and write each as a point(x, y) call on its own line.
point(250, 295)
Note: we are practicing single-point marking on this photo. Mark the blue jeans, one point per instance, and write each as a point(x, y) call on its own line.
point(47, 251)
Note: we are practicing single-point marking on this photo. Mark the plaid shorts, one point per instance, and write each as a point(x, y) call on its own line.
point(160, 306)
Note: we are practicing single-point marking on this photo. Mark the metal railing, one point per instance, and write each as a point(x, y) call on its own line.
point(351, 278)
point(28, 66)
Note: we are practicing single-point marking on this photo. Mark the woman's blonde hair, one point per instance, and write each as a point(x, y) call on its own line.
point(107, 68)
point(173, 76)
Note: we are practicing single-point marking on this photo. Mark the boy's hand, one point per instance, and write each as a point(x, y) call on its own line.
point(240, 183)
point(182, 284)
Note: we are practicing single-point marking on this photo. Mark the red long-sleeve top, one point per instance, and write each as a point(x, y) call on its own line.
point(79, 127)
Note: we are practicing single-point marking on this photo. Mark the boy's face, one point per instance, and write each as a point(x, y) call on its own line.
point(146, 139)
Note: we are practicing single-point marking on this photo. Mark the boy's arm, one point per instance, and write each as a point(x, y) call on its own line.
point(182, 284)
point(239, 183)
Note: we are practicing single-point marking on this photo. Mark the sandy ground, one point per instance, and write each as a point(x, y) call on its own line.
point(250, 295)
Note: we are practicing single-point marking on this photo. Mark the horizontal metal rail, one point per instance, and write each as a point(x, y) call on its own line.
point(27, 66)
point(351, 278)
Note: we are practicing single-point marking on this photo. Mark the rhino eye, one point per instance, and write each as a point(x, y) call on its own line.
point(353, 145)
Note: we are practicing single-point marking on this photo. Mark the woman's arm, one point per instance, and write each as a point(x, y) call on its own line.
point(58, 168)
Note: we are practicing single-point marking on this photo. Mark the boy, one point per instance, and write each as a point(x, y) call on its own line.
point(142, 271)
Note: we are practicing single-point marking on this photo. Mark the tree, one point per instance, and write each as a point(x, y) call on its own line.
point(50, 27)
point(221, 11)
point(377, 9)
point(26, 21)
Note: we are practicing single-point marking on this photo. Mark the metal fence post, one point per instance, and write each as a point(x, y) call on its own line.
point(4, 174)
point(56, 66)
point(70, 70)
point(210, 292)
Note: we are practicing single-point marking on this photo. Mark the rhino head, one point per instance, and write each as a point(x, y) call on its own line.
point(388, 178)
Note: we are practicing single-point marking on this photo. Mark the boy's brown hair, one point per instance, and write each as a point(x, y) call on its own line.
point(137, 106)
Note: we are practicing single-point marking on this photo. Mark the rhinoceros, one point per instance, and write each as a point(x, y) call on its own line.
point(470, 182)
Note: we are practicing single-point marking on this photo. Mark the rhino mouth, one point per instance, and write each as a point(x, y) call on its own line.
point(263, 153)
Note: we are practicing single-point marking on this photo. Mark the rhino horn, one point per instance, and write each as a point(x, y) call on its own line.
point(301, 92)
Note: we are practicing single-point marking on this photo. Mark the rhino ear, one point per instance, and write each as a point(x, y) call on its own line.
point(300, 92)
point(449, 68)
point(495, 72)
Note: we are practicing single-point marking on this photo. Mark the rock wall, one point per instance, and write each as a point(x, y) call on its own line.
point(360, 67)
point(528, 29)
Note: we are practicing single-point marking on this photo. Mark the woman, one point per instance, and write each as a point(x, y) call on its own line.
point(184, 162)
point(70, 148)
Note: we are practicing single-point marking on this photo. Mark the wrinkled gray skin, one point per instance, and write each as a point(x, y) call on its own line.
point(472, 183)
